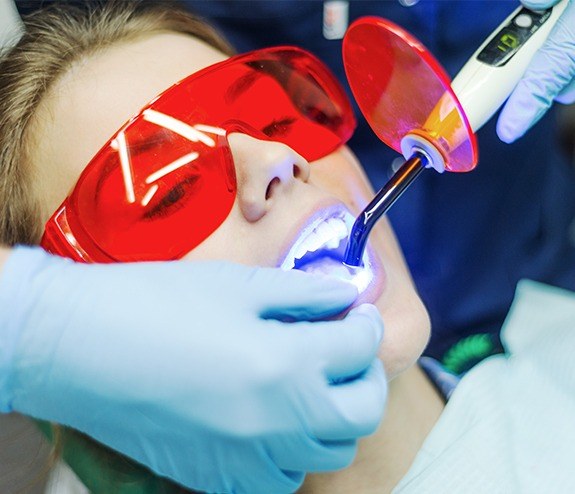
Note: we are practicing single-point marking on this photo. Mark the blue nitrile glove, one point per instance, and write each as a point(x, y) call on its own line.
point(549, 77)
point(183, 367)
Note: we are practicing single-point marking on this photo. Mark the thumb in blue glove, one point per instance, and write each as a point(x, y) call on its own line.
point(186, 368)
point(549, 77)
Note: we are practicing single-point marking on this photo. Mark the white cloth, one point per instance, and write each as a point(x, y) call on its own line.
point(509, 427)
point(10, 23)
point(63, 480)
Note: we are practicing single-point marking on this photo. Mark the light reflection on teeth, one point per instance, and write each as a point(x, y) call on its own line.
point(361, 277)
point(321, 234)
point(333, 243)
point(329, 237)
point(339, 226)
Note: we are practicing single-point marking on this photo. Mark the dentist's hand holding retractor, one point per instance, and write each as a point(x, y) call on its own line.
point(191, 368)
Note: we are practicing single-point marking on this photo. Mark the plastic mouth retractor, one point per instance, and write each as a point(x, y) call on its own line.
point(406, 96)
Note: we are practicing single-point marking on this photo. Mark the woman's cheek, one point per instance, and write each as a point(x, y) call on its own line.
point(341, 175)
point(406, 332)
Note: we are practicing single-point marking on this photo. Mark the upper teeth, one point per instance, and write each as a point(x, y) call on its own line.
point(324, 234)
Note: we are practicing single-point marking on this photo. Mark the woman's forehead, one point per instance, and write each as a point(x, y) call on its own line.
point(115, 84)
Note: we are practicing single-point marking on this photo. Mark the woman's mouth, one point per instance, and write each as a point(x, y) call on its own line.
point(320, 248)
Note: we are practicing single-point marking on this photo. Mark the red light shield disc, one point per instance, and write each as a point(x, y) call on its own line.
point(401, 89)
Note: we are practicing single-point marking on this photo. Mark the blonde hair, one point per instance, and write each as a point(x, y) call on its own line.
point(55, 38)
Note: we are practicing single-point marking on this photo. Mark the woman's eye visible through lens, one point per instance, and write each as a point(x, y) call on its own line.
point(279, 128)
point(174, 199)
point(316, 114)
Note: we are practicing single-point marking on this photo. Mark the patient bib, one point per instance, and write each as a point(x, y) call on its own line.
point(509, 426)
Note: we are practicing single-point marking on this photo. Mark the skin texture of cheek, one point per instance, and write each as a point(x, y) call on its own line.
point(407, 328)
point(224, 243)
point(240, 241)
point(342, 176)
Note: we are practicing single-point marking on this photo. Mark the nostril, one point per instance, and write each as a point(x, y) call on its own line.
point(296, 171)
point(271, 186)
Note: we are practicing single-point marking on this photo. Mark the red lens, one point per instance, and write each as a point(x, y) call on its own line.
point(173, 198)
point(166, 181)
point(401, 89)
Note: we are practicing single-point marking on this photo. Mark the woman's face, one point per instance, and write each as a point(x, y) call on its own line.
point(282, 200)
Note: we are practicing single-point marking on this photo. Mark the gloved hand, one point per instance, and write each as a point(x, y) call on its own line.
point(549, 77)
point(185, 368)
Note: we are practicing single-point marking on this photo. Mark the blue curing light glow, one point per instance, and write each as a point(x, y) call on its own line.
point(320, 249)
point(328, 264)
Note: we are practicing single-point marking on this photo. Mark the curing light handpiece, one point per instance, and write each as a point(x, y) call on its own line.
point(432, 122)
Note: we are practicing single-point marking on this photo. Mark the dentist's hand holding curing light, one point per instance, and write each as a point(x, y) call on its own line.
point(549, 77)
point(186, 366)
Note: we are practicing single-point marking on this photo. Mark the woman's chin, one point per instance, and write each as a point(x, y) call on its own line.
point(406, 332)
point(406, 322)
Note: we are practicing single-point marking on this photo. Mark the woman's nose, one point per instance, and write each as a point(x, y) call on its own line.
point(264, 170)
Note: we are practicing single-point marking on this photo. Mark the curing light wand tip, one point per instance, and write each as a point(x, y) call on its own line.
point(382, 201)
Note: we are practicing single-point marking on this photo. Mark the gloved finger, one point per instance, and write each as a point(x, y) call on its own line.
point(300, 296)
point(307, 454)
point(259, 473)
point(346, 347)
point(567, 94)
point(539, 4)
point(263, 476)
point(551, 71)
point(356, 407)
point(337, 455)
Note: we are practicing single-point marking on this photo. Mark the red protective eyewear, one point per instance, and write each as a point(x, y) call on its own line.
point(166, 180)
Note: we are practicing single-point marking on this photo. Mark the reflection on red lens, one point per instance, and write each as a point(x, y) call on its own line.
point(179, 191)
point(401, 89)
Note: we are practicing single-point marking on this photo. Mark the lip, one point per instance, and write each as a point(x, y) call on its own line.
point(369, 280)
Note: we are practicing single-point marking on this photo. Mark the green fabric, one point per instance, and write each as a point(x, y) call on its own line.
point(468, 352)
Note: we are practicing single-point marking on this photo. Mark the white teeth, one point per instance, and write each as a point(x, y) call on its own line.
point(288, 264)
point(301, 251)
point(333, 243)
point(339, 227)
point(320, 234)
point(327, 234)
point(316, 240)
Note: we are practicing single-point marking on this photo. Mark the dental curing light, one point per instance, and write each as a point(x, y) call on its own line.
point(407, 99)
